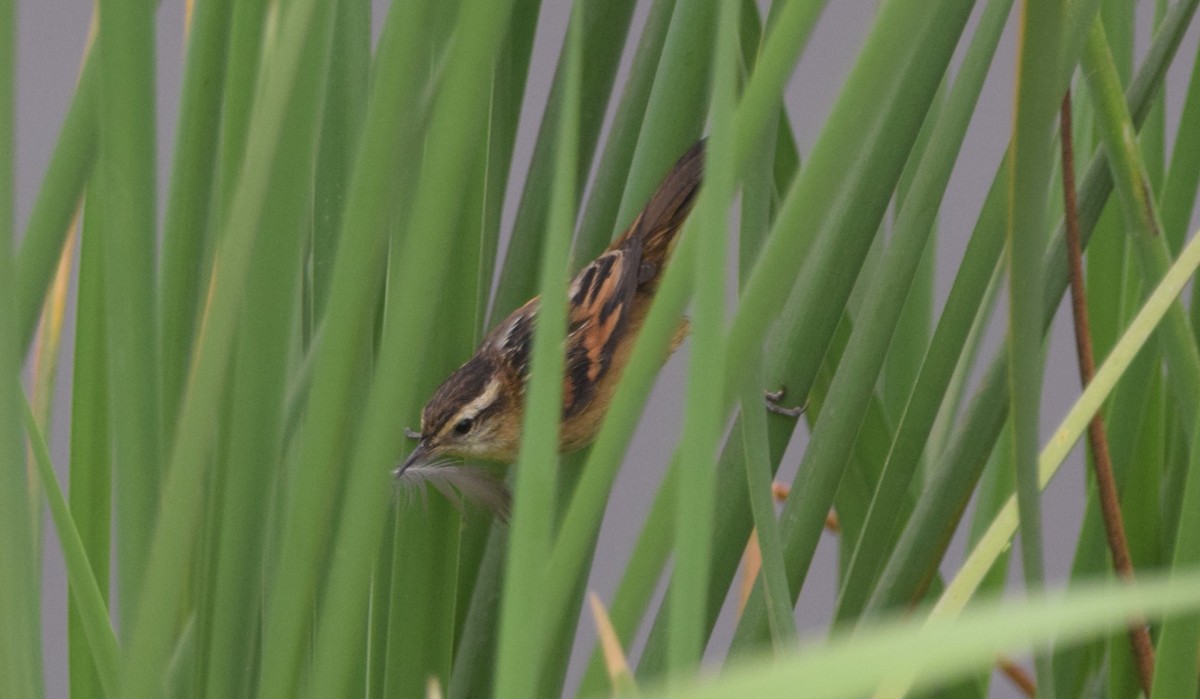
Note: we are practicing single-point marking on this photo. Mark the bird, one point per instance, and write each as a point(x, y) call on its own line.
point(476, 413)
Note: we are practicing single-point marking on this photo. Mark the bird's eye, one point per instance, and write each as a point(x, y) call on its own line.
point(463, 426)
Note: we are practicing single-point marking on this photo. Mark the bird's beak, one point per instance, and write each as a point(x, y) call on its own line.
point(417, 456)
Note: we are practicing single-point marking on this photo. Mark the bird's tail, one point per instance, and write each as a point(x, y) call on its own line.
point(662, 218)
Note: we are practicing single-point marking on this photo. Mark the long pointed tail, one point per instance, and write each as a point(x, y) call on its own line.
point(662, 218)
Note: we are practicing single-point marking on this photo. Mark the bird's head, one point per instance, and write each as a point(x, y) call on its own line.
point(474, 414)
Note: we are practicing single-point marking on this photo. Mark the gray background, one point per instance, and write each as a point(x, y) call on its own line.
point(51, 34)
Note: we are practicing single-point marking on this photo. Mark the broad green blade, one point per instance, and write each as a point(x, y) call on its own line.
point(255, 408)
point(599, 216)
point(57, 201)
point(924, 539)
point(703, 413)
point(91, 445)
point(522, 638)
point(20, 637)
point(606, 26)
point(126, 116)
point(1031, 162)
point(460, 102)
point(86, 594)
point(186, 224)
point(933, 652)
point(156, 613)
point(829, 273)
point(996, 540)
point(1175, 671)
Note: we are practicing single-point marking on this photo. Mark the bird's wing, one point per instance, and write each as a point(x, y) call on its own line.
point(601, 300)
point(513, 338)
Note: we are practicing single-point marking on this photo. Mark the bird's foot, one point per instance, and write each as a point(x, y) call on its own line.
point(773, 399)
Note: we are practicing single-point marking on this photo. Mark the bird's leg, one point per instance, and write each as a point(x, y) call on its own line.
point(773, 399)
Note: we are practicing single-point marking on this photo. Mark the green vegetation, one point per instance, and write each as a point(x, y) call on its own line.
point(328, 247)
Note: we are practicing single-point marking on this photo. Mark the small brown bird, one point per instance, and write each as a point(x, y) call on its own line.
point(476, 413)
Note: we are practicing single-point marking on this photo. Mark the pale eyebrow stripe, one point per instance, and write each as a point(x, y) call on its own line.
point(472, 409)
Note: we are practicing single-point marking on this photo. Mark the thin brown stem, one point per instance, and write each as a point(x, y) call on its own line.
point(1110, 505)
point(1018, 675)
